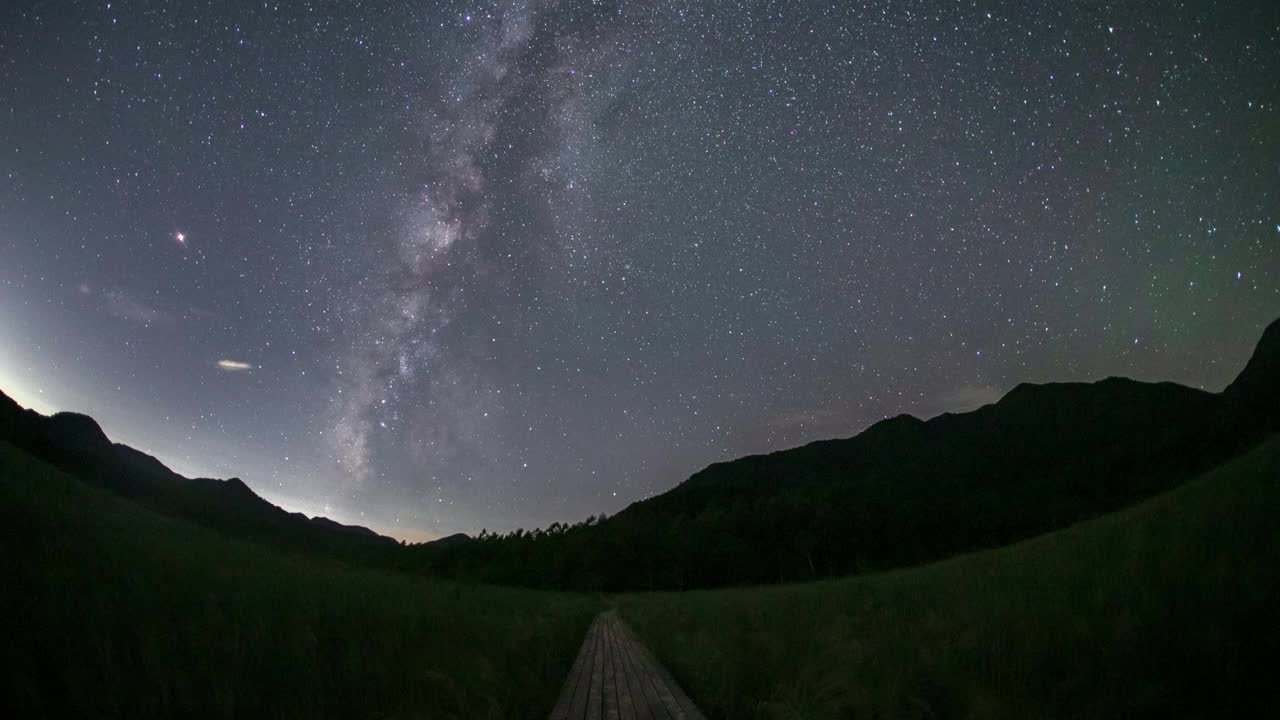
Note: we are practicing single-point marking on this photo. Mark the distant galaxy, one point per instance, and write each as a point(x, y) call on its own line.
point(439, 267)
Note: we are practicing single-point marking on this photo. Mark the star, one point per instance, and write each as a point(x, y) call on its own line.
point(464, 256)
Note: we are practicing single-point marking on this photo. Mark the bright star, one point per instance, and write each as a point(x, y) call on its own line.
point(181, 238)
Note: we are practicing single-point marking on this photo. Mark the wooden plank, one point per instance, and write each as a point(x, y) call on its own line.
point(584, 702)
point(680, 706)
point(615, 677)
point(595, 698)
point(641, 691)
point(677, 702)
point(626, 682)
point(563, 705)
point(577, 708)
point(609, 706)
point(644, 677)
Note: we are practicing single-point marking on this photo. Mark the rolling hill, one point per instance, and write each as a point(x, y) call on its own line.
point(1164, 609)
point(903, 492)
point(76, 444)
point(120, 611)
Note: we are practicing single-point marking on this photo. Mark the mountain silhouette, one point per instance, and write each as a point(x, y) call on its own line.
point(447, 540)
point(1255, 394)
point(902, 492)
point(76, 444)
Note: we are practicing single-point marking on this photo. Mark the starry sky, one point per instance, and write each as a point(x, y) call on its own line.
point(442, 266)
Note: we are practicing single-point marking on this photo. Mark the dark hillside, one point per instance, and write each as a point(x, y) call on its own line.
point(903, 492)
point(1165, 609)
point(1254, 396)
point(117, 611)
point(76, 444)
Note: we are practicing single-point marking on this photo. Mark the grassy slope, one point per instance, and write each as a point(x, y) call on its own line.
point(116, 611)
point(1167, 609)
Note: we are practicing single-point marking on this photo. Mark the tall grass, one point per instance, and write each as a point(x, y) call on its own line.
point(115, 611)
point(1168, 609)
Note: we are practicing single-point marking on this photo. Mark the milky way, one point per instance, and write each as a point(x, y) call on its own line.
point(442, 267)
point(447, 250)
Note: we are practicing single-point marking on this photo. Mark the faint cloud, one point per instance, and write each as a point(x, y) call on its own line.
point(409, 535)
point(803, 419)
point(968, 397)
point(784, 428)
point(233, 365)
point(126, 307)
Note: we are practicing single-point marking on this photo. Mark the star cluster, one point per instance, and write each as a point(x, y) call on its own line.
point(434, 267)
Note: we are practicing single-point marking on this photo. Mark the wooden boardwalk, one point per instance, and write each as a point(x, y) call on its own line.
point(616, 677)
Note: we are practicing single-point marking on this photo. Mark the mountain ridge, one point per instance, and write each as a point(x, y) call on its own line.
point(76, 443)
point(903, 491)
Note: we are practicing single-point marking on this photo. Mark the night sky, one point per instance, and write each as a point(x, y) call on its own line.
point(437, 267)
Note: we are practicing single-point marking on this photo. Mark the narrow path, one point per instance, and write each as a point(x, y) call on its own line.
point(616, 677)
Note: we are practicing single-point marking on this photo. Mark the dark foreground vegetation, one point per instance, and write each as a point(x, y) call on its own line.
point(76, 444)
point(131, 591)
point(1163, 610)
point(904, 492)
point(113, 610)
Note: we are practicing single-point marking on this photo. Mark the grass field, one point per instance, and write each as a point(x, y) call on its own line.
point(1168, 609)
point(1164, 610)
point(114, 611)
